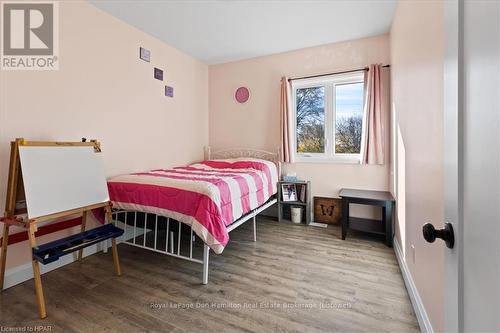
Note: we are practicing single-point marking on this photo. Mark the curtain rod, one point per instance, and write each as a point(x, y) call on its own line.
point(327, 74)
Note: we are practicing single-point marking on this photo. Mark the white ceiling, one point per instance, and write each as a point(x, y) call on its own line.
point(218, 31)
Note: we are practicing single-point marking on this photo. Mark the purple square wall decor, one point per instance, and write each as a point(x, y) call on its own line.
point(144, 54)
point(169, 91)
point(158, 74)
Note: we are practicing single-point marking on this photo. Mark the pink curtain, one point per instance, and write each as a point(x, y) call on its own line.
point(285, 120)
point(373, 135)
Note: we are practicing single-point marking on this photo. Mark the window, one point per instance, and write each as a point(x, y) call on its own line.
point(329, 118)
point(310, 119)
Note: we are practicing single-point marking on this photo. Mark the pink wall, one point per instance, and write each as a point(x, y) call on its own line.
point(102, 90)
point(417, 56)
point(256, 123)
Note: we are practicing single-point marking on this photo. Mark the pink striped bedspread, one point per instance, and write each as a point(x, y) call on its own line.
point(208, 196)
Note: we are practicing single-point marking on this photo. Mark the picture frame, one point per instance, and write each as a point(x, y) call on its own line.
point(144, 54)
point(242, 95)
point(289, 192)
point(169, 91)
point(158, 74)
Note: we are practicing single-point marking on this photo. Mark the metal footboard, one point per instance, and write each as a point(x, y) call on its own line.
point(165, 235)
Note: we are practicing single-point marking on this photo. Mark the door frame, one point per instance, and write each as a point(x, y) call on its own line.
point(453, 104)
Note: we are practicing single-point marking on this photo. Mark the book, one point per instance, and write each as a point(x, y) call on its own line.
point(302, 195)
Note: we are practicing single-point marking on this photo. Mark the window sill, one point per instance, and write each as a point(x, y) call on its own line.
point(329, 160)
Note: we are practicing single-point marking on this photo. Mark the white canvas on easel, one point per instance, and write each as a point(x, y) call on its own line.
point(58, 179)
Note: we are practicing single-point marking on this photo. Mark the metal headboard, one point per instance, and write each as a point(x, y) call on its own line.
point(244, 152)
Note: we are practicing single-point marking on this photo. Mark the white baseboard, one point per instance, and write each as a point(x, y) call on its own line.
point(416, 301)
point(319, 225)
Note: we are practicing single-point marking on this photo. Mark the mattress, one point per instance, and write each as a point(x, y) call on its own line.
point(208, 196)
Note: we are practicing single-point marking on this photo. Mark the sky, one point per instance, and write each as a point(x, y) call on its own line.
point(349, 100)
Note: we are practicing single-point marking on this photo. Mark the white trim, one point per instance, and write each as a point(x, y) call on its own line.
point(416, 301)
point(22, 273)
point(337, 158)
point(318, 224)
point(453, 160)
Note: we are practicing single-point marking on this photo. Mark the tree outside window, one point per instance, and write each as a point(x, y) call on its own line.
point(310, 105)
point(329, 117)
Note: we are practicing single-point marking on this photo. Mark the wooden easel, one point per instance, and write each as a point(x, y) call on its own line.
point(14, 210)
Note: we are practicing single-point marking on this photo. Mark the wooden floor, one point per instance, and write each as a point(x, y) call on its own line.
point(293, 279)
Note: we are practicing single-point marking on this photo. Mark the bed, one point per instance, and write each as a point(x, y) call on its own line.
point(209, 198)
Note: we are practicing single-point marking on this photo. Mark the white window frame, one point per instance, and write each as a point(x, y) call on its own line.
point(329, 82)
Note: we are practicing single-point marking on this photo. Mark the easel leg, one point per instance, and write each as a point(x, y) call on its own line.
point(116, 259)
point(36, 275)
point(84, 224)
point(3, 255)
point(40, 299)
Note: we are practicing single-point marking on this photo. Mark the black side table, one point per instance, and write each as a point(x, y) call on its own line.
point(373, 198)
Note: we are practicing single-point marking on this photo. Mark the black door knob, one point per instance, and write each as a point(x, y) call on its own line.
point(446, 234)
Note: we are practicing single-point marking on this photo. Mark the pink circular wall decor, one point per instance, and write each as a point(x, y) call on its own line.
point(242, 94)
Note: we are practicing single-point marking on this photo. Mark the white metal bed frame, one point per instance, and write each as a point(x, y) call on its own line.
point(169, 236)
